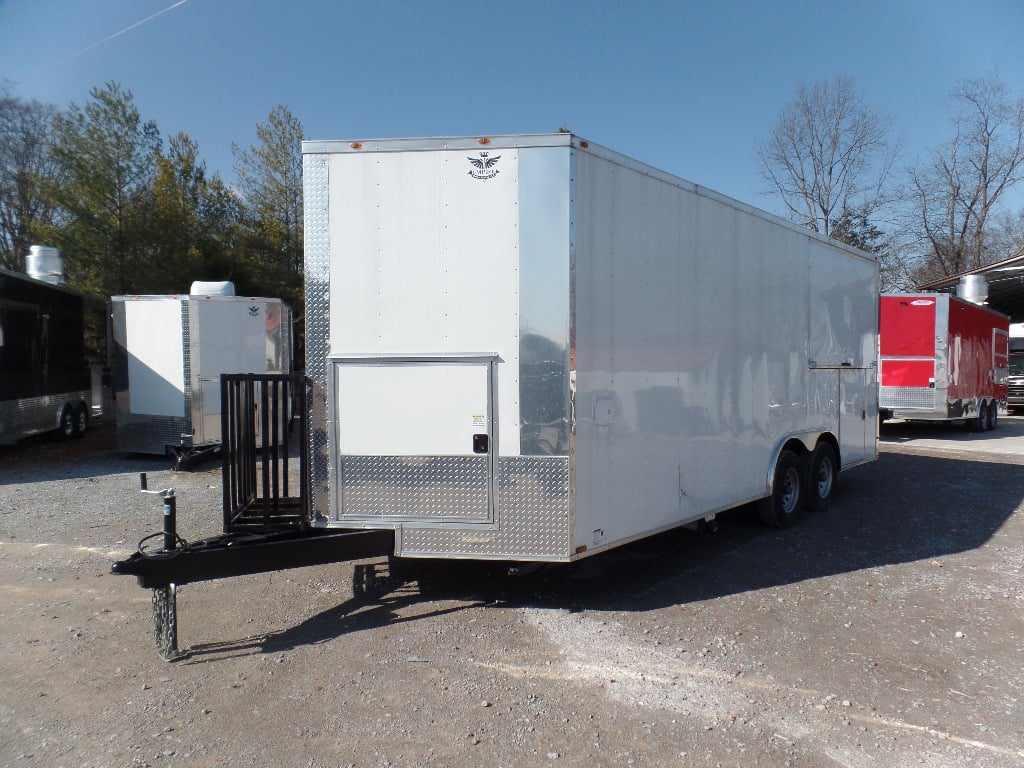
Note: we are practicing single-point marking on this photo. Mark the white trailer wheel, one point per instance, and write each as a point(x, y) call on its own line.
point(822, 476)
point(783, 507)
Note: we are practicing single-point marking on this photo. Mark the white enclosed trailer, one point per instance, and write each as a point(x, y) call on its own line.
point(534, 348)
point(169, 353)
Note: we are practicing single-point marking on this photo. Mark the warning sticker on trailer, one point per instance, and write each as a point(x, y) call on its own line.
point(479, 421)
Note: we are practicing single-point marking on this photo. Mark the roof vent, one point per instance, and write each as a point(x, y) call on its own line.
point(218, 288)
point(973, 288)
point(44, 263)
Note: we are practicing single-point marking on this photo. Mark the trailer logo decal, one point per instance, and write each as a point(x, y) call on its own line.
point(483, 166)
point(921, 303)
point(254, 311)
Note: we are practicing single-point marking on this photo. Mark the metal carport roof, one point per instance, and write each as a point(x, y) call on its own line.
point(1005, 285)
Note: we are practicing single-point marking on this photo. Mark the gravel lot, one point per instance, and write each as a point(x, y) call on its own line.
point(887, 631)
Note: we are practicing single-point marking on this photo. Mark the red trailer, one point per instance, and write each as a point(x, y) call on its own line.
point(942, 358)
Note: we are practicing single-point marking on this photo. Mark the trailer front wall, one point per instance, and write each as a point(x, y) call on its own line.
point(448, 264)
point(230, 335)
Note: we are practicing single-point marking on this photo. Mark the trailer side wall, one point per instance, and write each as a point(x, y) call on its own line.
point(705, 334)
point(43, 365)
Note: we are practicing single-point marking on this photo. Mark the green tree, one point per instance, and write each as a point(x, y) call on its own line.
point(270, 182)
point(27, 167)
point(194, 220)
point(107, 154)
point(856, 229)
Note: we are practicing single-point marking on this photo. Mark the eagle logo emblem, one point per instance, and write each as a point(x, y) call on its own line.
point(483, 166)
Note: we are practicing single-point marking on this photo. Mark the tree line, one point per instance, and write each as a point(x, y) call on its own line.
point(134, 212)
point(834, 162)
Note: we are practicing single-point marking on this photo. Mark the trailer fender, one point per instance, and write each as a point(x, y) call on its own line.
point(801, 444)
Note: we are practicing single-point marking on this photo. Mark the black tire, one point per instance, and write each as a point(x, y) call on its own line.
point(993, 416)
point(783, 507)
point(977, 422)
point(81, 419)
point(67, 422)
point(822, 478)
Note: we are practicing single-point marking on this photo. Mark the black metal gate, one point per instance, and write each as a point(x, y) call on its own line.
point(264, 438)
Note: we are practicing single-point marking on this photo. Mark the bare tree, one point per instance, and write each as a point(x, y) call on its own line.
point(26, 166)
point(957, 191)
point(828, 156)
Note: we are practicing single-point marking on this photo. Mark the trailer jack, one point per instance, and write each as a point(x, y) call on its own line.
point(165, 623)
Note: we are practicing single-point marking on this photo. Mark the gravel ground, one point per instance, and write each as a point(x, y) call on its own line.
point(887, 631)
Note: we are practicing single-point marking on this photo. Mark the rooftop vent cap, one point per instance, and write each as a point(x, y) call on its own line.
point(212, 288)
point(973, 288)
point(44, 262)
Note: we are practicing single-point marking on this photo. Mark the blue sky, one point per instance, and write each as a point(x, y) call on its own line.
point(686, 86)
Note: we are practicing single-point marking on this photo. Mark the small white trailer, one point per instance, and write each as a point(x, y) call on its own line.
point(532, 348)
point(169, 354)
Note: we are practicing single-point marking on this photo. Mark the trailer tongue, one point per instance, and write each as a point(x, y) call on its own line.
point(265, 527)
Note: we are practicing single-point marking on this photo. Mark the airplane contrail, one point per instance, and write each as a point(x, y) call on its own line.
point(107, 39)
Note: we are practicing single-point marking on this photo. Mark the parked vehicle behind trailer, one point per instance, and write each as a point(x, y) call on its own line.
point(46, 380)
point(943, 358)
point(169, 353)
point(1015, 380)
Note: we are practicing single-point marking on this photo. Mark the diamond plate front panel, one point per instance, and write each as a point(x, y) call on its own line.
point(193, 409)
point(897, 398)
point(436, 487)
point(151, 434)
point(534, 521)
point(317, 263)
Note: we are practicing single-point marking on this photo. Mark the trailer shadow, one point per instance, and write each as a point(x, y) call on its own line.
point(902, 508)
point(378, 602)
point(49, 456)
point(952, 434)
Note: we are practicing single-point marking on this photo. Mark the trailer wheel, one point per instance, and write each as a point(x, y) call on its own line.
point(81, 420)
point(993, 416)
point(979, 421)
point(67, 422)
point(822, 478)
point(783, 507)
